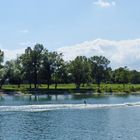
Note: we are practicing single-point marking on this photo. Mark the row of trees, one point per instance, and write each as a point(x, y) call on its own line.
point(39, 66)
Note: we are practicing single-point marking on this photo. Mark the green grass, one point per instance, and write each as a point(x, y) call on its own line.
point(109, 88)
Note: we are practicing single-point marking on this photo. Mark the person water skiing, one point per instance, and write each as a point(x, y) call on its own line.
point(85, 102)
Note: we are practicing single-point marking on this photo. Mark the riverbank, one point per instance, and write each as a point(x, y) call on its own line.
point(105, 89)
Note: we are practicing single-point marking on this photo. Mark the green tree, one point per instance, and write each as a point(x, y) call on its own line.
point(32, 62)
point(27, 67)
point(122, 76)
point(36, 57)
point(48, 66)
point(2, 73)
point(52, 67)
point(80, 70)
point(58, 69)
point(134, 77)
point(99, 66)
point(1, 57)
point(14, 72)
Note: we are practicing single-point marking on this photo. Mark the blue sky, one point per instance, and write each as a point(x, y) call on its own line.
point(57, 23)
point(73, 27)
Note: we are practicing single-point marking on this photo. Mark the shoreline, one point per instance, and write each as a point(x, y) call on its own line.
point(88, 92)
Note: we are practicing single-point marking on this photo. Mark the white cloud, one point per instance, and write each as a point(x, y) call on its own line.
point(12, 54)
point(105, 3)
point(120, 53)
point(24, 31)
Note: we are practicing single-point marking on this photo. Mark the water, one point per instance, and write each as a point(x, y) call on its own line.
point(67, 118)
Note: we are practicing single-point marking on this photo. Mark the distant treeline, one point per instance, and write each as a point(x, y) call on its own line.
point(40, 66)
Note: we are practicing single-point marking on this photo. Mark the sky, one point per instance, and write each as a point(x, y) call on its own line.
point(60, 24)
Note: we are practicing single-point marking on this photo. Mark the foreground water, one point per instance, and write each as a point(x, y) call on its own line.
point(67, 118)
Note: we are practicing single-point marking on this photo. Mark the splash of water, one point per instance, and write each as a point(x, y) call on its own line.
point(36, 108)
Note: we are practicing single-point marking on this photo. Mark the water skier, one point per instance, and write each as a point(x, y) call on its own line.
point(85, 102)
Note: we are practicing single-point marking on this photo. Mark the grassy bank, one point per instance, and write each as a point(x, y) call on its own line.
point(71, 88)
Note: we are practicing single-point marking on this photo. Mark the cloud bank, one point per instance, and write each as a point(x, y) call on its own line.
point(104, 3)
point(120, 53)
point(12, 54)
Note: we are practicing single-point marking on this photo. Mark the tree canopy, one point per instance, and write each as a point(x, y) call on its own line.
point(37, 66)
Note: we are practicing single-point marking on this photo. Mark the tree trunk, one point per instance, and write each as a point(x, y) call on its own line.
point(2, 82)
point(30, 80)
point(48, 85)
point(98, 84)
point(18, 85)
point(48, 78)
point(30, 86)
point(35, 86)
point(56, 85)
point(123, 86)
point(77, 86)
point(35, 78)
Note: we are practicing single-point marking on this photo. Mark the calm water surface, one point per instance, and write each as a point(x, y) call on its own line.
point(121, 123)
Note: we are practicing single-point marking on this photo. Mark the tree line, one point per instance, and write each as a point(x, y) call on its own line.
point(39, 66)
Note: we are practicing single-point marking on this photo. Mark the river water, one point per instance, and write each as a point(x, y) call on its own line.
point(66, 117)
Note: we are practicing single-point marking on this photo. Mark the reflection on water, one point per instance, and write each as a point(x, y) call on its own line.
point(70, 124)
point(65, 99)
